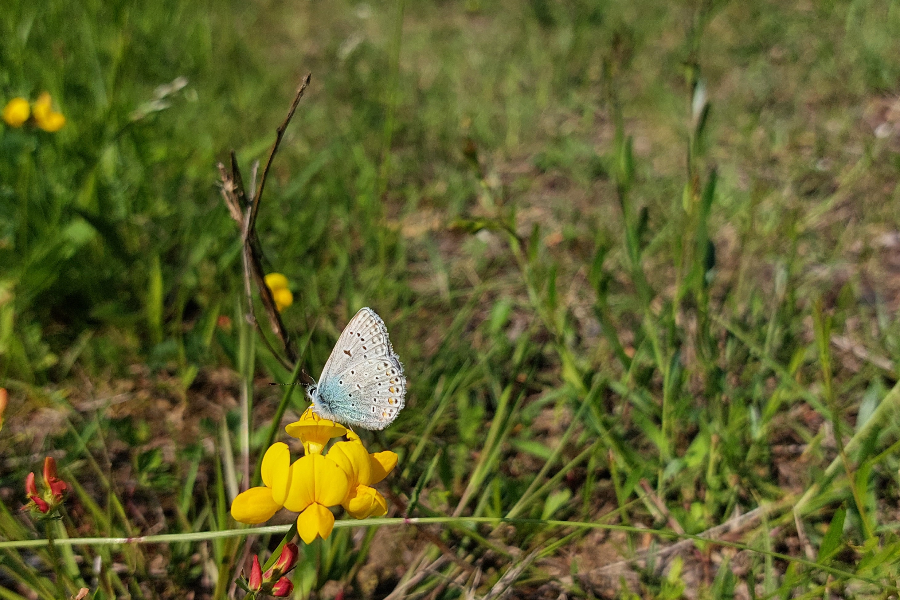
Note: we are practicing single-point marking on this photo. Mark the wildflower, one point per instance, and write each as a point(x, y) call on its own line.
point(255, 580)
point(272, 581)
point(35, 500)
point(278, 285)
point(363, 471)
point(44, 115)
point(54, 488)
point(309, 486)
point(286, 561)
point(16, 112)
point(282, 588)
point(314, 431)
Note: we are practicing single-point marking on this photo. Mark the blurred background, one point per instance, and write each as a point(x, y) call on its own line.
point(638, 242)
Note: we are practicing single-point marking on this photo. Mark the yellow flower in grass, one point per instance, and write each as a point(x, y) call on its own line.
point(44, 115)
point(309, 487)
point(314, 431)
point(281, 293)
point(363, 470)
point(16, 112)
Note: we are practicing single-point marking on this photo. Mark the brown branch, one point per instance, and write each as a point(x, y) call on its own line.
point(254, 208)
point(235, 197)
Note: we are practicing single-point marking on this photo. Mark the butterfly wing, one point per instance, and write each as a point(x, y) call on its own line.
point(362, 383)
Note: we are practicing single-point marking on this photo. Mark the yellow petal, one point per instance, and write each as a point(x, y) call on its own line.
point(276, 281)
point(283, 298)
point(276, 471)
point(254, 506)
point(315, 479)
point(43, 106)
point(314, 431)
point(315, 521)
point(382, 464)
point(365, 502)
point(16, 112)
point(52, 123)
point(353, 458)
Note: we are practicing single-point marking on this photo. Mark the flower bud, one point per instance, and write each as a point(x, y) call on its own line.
point(255, 581)
point(35, 501)
point(285, 562)
point(56, 485)
point(282, 588)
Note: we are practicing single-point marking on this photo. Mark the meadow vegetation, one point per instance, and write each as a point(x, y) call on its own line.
point(641, 261)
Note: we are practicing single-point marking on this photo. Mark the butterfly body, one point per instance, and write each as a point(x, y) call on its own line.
point(362, 383)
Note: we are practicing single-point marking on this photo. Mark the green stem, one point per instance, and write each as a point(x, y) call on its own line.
point(781, 506)
point(54, 558)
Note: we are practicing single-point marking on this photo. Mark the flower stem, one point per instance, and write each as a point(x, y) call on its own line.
point(54, 558)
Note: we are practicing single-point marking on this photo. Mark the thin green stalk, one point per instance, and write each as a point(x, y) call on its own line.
point(562, 445)
point(553, 481)
point(881, 415)
point(822, 325)
point(492, 521)
point(55, 562)
point(276, 419)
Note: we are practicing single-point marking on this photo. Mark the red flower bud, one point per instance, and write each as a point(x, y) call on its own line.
point(35, 501)
point(255, 581)
point(56, 485)
point(30, 487)
point(285, 562)
point(282, 588)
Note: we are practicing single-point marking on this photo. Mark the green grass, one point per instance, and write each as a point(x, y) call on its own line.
point(615, 306)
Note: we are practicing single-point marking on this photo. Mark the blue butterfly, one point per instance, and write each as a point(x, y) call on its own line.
point(362, 383)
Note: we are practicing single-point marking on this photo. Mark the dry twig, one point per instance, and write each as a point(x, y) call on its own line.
point(245, 214)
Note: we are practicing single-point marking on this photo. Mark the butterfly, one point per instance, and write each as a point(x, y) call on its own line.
point(362, 384)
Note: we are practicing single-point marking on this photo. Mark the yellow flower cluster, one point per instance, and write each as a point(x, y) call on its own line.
point(310, 485)
point(18, 110)
point(278, 284)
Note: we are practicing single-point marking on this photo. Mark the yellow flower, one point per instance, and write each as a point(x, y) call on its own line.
point(278, 285)
point(363, 470)
point(309, 487)
point(314, 431)
point(16, 112)
point(44, 116)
